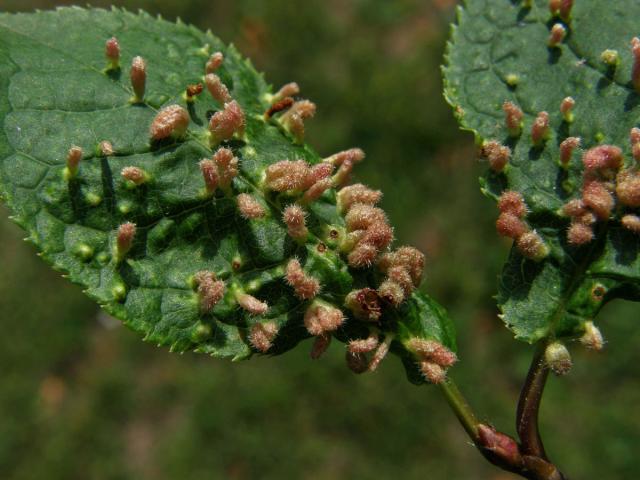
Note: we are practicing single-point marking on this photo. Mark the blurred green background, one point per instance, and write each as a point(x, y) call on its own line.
point(83, 398)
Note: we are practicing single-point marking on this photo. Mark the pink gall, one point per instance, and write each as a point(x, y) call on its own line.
point(378, 234)
point(249, 207)
point(631, 223)
point(262, 335)
point(135, 175)
point(380, 353)
point(214, 62)
point(635, 72)
point(112, 52)
point(210, 174)
point(226, 123)
point(74, 156)
point(497, 154)
point(579, 234)
point(364, 345)
point(510, 226)
point(360, 216)
point(567, 148)
point(293, 119)
point(124, 239)
point(316, 190)
point(217, 89)
point(565, 9)
point(138, 75)
point(320, 318)
point(289, 90)
point(557, 35)
point(391, 292)
point(106, 148)
point(409, 257)
point(227, 165)
point(592, 337)
point(566, 108)
point(287, 175)
point(540, 129)
point(305, 286)
point(401, 276)
point(532, 246)
point(628, 188)
point(353, 155)
point(433, 372)
point(602, 157)
point(357, 193)
point(210, 290)
point(171, 121)
point(512, 202)
point(574, 208)
point(251, 304)
point(513, 118)
point(294, 218)
point(597, 197)
point(362, 256)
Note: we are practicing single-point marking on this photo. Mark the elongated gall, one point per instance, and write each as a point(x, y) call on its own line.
point(251, 304)
point(532, 246)
point(210, 290)
point(557, 35)
point(217, 89)
point(226, 123)
point(305, 286)
point(138, 75)
point(540, 129)
point(294, 218)
point(262, 335)
point(635, 71)
point(513, 116)
point(74, 155)
point(567, 148)
point(566, 108)
point(171, 121)
point(250, 208)
point(214, 62)
point(124, 239)
point(112, 52)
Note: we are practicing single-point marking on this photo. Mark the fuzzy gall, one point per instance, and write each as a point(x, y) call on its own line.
point(249, 207)
point(210, 290)
point(294, 218)
point(513, 118)
point(567, 148)
point(214, 62)
point(304, 286)
point(112, 52)
point(540, 129)
point(217, 89)
point(171, 121)
point(262, 335)
point(226, 123)
point(138, 75)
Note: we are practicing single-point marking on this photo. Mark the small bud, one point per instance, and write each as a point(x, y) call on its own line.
point(289, 90)
point(558, 32)
point(217, 89)
point(433, 372)
point(513, 118)
point(362, 256)
point(596, 196)
point(305, 286)
point(391, 292)
point(286, 175)
point(251, 304)
point(171, 121)
point(73, 161)
point(602, 157)
point(112, 52)
point(364, 345)
point(138, 76)
point(360, 216)
point(357, 193)
point(512, 202)
point(261, 336)
point(380, 353)
point(227, 165)
point(320, 345)
point(353, 155)
point(294, 217)
point(214, 62)
point(631, 223)
point(105, 148)
point(227, 123)
point(499, 445)
point(497, 154)
point(364, 304)
point(210, 174)
point(592, 337)
point(135, 175)
point(249, 207)
point(409, 257)
point(320, 318)
point(532, 246)
point(611, 58)
point(635, 72)
point(628, 188)
point(540, 129)
point(316, 190)
point(210, 290)
point(510, 226)
point(192, 91)
point(579, 234)
point(558, 358)
point(566, 108)
point(567, 147)
point(124, 239)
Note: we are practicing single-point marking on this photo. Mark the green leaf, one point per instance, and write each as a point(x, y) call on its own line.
point(499, 52)
point(57, 90)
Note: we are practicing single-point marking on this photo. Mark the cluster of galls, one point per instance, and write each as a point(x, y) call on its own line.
point(365, 241)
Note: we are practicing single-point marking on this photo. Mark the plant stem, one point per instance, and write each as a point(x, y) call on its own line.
point(461, 408)
point(529, 405)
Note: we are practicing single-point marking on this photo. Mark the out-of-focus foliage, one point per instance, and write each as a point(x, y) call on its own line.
point(114, 408)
